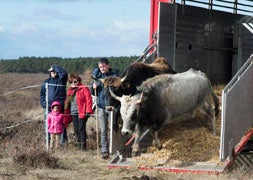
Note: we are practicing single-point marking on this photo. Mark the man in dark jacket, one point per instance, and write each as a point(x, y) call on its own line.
point(102, 71)
point(56, 92)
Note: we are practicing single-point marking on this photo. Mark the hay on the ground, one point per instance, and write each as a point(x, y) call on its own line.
point(190, 141)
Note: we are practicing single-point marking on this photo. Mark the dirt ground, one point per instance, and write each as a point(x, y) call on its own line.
point(86, 165)
point(22, 147)
point(72, 162)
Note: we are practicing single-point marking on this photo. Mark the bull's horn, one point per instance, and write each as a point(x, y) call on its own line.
point(124, 78)
point(141, 97)
point(98, 79)
point(113, 95)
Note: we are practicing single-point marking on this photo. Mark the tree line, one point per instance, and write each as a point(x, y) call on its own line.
point(42, 64)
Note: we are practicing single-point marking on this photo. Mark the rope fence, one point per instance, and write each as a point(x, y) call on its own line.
point(24, 122)
point(16, 125)
point(36, 118)
point(44, 115)
point(26, 87)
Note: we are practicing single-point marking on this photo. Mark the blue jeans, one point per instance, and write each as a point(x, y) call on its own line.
point(103, 117)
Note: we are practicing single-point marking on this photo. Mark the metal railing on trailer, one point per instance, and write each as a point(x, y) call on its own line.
point(236, 6)
point(150, 52)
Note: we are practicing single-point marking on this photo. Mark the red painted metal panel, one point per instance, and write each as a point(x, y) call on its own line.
point(154, 17)
point(181, 170)
point(212, 170)
point(243, 142)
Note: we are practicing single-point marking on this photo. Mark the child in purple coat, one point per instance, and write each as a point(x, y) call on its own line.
point(55, 124)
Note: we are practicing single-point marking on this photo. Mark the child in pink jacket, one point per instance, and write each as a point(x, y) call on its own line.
point(55, 124)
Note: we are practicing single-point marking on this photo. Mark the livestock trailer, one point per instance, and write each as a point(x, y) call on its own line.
point(216, 37)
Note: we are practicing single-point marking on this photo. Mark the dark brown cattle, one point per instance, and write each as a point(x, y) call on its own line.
point(135, 74)
point(132, 77)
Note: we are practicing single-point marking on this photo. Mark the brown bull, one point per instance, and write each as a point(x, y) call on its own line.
point(135, 74)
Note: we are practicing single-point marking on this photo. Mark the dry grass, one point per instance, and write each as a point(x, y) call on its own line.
point(32, 158)
point(22, 148)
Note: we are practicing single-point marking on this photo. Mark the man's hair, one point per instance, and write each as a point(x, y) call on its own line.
point(103, 61)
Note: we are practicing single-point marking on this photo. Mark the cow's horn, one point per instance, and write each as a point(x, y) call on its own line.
point(141, 97)
point(98, 79)
point(113, 95)
point(124, 78)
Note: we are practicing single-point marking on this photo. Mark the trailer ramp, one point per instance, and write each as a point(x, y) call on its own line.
point(124, 159)
point(190, 167)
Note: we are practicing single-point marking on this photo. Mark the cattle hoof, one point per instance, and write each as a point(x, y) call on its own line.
point(154, 143)
point(157, 144)
point(159, 147)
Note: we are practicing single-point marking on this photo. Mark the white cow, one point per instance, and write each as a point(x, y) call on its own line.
point(165, 99)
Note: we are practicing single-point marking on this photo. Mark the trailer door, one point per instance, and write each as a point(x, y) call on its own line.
point(243, 43)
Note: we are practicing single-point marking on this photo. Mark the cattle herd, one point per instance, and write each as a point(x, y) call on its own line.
point(152, 95)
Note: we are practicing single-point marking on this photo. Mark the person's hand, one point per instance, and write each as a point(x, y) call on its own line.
point(109, 108)
point(94, 85)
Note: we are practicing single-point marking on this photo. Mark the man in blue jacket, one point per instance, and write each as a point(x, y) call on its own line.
point(56, 92)
point(102, 71)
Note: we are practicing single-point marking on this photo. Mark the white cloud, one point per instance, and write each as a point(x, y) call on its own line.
point(127, 25)
point(72, 29)
point(24, 27)
point(2, 28)
point(49, 14)
point(128, 31)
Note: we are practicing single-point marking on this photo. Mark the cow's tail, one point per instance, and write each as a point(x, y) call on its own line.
point(216, 103)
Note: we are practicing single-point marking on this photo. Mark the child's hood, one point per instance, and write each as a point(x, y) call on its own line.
point(56, 103)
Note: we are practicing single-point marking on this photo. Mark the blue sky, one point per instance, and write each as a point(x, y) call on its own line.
point(73, 28)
